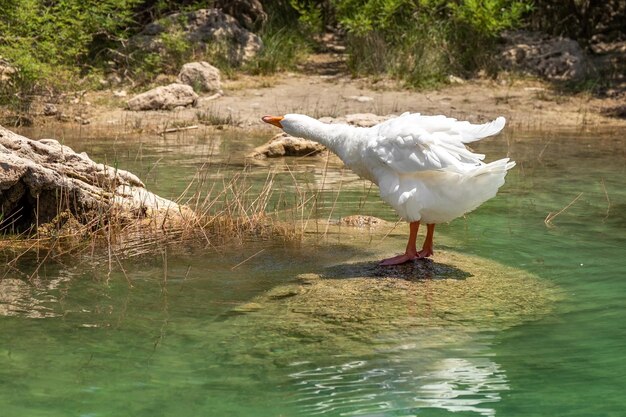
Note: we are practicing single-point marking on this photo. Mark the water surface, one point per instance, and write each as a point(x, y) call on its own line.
point(159, 338)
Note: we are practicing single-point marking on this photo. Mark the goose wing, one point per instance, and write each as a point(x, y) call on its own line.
point(412, 143)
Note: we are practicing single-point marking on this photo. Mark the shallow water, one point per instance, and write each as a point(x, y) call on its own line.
point(79, 340)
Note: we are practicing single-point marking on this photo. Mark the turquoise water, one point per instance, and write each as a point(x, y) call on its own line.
point(159, 337)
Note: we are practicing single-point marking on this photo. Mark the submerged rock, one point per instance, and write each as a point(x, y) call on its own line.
point(455, 289)
point(358, 307)
point(359, 220)
point(42, 180)
point(164, 98)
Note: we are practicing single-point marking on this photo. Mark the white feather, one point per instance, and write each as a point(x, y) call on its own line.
point(420, 163)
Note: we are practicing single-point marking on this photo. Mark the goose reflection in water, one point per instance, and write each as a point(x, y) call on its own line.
point(465, 385)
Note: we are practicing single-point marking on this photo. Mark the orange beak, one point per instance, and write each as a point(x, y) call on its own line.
point(273, 120)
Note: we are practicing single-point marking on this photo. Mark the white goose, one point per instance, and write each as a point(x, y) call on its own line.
point(420, 164)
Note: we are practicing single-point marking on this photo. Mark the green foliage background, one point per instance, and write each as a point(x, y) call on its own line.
point(67, 44)
point(419, 41)
point(57, 41)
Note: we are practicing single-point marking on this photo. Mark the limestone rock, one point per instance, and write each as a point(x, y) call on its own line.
point(203, 29)
point(202, 76)
point(553, 58)
point(50, 109)
point(164, 98)
point(41, 179)
point(249, 13)
point(286, 145)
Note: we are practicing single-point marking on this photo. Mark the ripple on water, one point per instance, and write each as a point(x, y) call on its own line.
point(357, 388)
point(417, 330)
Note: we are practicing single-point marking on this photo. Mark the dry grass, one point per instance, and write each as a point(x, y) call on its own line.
point(211, 215)
point(551, 216)
point(213, 117)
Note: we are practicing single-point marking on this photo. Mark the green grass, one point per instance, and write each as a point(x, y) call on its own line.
point(282, 49)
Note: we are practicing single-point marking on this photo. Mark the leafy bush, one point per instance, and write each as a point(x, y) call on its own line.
point(282, 49)
point(55, 40)
point(420, 41)
point(178, 49)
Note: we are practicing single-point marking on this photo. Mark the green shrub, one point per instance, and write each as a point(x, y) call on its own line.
point(282, 49)
point(177, 51)
point(419, 41)
point(56, 40)
point(310, 17)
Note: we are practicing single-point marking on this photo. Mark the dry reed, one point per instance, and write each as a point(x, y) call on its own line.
point(210, 214)
point(551, 216)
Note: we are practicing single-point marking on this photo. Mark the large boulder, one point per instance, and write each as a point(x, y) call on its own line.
point(202, 76)
point(164, 98)
point(553, 58)
point(249, 13)
point(41, 180)
point(204, 29)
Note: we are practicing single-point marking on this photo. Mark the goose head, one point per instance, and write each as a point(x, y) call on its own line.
point(299, 125)
point(273, 120)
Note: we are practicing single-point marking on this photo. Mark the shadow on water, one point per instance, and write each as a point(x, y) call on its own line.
point(424, 269)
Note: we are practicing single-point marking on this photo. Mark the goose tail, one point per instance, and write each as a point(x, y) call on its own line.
point(473, 133)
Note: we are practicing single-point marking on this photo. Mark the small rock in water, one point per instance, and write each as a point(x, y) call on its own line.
point(365, 119)
point(286, 145)
point(247, 308)
point(358, 220)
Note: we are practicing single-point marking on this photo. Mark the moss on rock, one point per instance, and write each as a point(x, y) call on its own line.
point(359, 306)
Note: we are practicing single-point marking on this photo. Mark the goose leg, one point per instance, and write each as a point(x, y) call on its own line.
point(411, 250)
point(427, 248)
